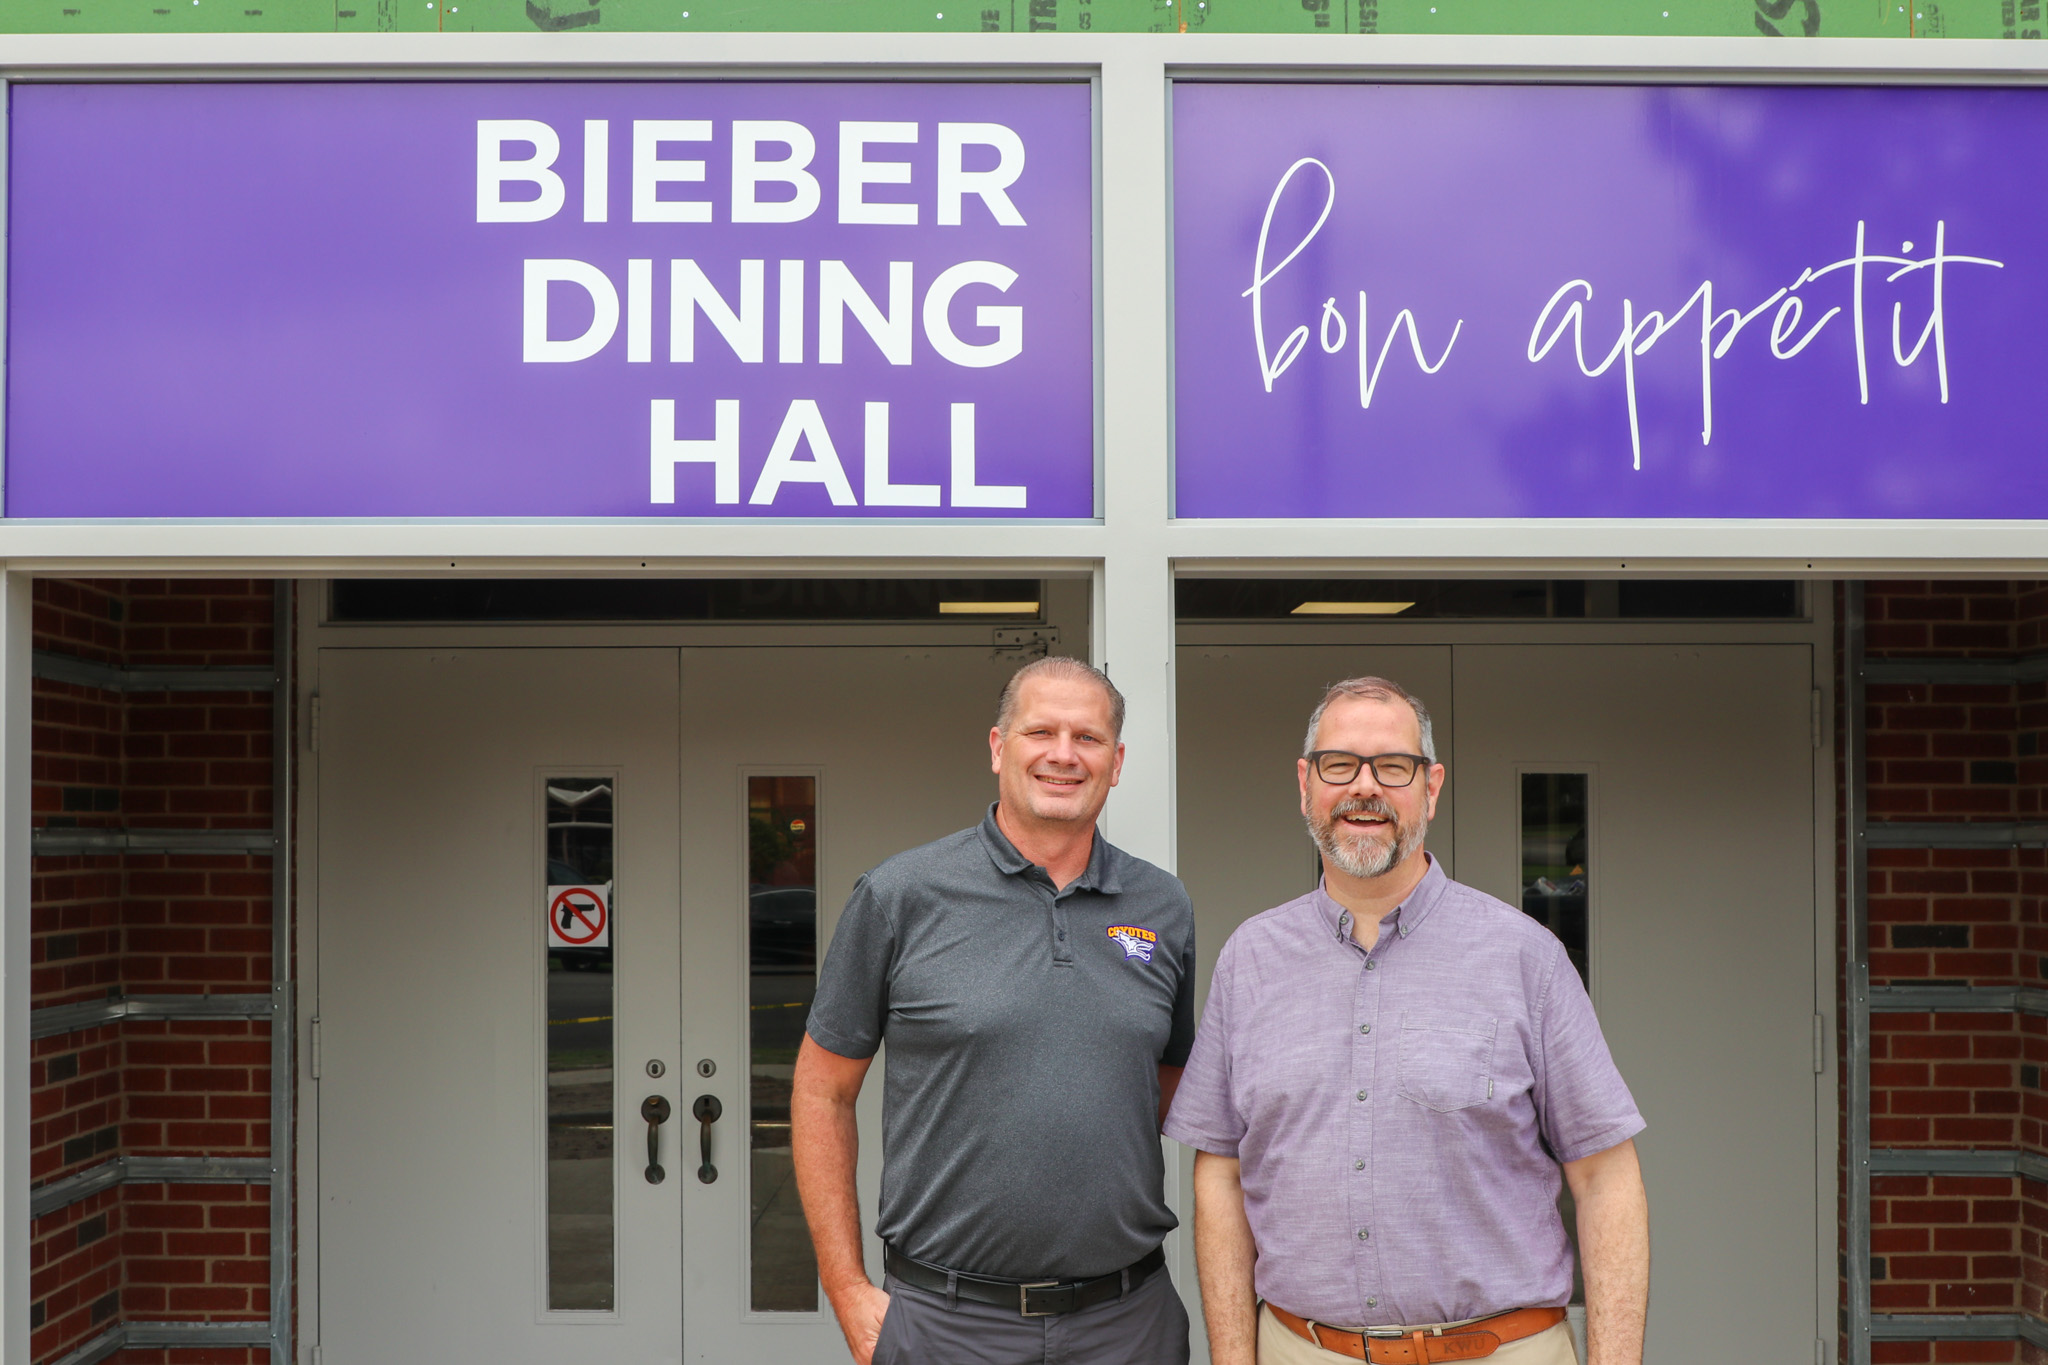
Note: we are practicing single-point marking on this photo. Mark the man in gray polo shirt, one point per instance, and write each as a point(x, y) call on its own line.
point(1035, 988)
point(1393, 1075)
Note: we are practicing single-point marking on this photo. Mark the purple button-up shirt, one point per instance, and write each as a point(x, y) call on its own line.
point(1399, 1115)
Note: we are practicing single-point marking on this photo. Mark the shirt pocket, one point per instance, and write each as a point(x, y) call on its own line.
point(1446, 1059)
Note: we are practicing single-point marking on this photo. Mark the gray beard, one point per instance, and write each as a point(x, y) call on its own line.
point(1361, 859)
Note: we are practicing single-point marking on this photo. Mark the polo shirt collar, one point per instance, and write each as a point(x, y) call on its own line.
point(1100, 876)
point(1406, 918)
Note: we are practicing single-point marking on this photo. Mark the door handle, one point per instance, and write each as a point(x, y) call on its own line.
point(656, 1111)
point(706, 1111)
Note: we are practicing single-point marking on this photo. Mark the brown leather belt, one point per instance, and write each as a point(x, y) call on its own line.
point(1473, 1341)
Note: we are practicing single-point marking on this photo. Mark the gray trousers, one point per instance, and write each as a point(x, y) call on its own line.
point(1150, 1327)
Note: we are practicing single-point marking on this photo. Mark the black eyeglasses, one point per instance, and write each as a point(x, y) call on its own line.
point(1337, 767)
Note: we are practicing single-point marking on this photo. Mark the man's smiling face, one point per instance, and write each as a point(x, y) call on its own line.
point(1060, 757)
point(1363, 828)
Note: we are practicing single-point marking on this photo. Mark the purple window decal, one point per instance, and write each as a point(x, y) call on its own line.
point(1651, 302)
point(690, 299)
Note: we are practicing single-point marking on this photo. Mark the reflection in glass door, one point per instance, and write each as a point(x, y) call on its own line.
point(1556, 881)
point(581, 1000)
point(782, 952)
point(1556, 858)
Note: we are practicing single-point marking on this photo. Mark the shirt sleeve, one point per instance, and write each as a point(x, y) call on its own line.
point(851, 1008)
point(1204, 1113)
point(1182, 1039)
point(1582, 1103)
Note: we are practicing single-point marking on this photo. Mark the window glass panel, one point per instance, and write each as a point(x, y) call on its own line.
point(580, 913)
point(366, 600)
point(782, 949)
point(1556, 876)
point(1556, 887)
point(1340, 600)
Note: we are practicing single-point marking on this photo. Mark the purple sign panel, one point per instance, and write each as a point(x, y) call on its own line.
point(701, 299)
point(1524, 301)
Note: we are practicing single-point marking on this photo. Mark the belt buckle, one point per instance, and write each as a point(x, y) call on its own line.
point(1024, 1300)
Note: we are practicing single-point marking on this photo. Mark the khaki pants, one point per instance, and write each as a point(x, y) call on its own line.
point(1278, 1346)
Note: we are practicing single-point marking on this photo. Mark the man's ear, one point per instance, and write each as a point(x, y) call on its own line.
point(995, 749)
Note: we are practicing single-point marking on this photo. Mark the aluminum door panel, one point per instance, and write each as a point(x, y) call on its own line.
point(430, 1098)
point(1702, 942)
point(898, 739)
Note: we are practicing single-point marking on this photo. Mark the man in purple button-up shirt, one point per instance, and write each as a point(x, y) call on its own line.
point(1393, 1076)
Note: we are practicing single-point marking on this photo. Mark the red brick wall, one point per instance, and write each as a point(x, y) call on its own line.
point(151, 924)
point(1935, 753)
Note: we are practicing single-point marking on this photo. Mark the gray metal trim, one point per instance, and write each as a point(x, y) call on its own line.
point(1910, 999)
point(1856, 891)
point(158, 678)
point(147, 1170)
point(56, 1019)
point(1978, 672)
point(1959, 1161)
point(68, 839)
point(197, 1006)
point(199, 1334)
point(98, 1349)
point(198, 1170)
point(256, 1333)
point(1960, 1327)
point(1956, 834)
point(283, 1019)
point(45, 1199)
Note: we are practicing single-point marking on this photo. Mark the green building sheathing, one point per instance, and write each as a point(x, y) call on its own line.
point(2017, 19)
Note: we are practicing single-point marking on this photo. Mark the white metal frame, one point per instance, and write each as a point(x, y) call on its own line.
point(1135, 548)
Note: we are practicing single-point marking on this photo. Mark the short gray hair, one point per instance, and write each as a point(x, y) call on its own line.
point(1369, 688)
point(1058, 666)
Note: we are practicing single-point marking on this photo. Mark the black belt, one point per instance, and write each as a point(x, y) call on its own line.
point(1031, 1298)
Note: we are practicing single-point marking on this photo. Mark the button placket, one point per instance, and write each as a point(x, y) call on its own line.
point(1365, 1063)
point(1062, 932)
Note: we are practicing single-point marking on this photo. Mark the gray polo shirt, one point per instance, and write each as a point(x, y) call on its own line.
point(1026, 1026)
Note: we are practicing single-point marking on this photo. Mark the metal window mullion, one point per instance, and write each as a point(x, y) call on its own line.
point(283, 1052)
point(1856, 885)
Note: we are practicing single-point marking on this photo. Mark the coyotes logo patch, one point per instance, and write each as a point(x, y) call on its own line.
point(1135, 939)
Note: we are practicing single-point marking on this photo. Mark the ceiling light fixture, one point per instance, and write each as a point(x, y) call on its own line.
point(1351, 608)
point(988, 608)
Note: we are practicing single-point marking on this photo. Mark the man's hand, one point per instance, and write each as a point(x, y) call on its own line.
point(1614, 1252)
point(860, 1309)
point(825, 1146)
point(1224, 1256)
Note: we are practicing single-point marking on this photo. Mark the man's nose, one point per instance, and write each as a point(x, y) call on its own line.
point(1364, 782)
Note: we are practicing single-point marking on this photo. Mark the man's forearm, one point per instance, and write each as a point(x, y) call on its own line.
point(824, 1141)
point(1614, 1252)
point(825, 1146)
point(1225, 1255)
